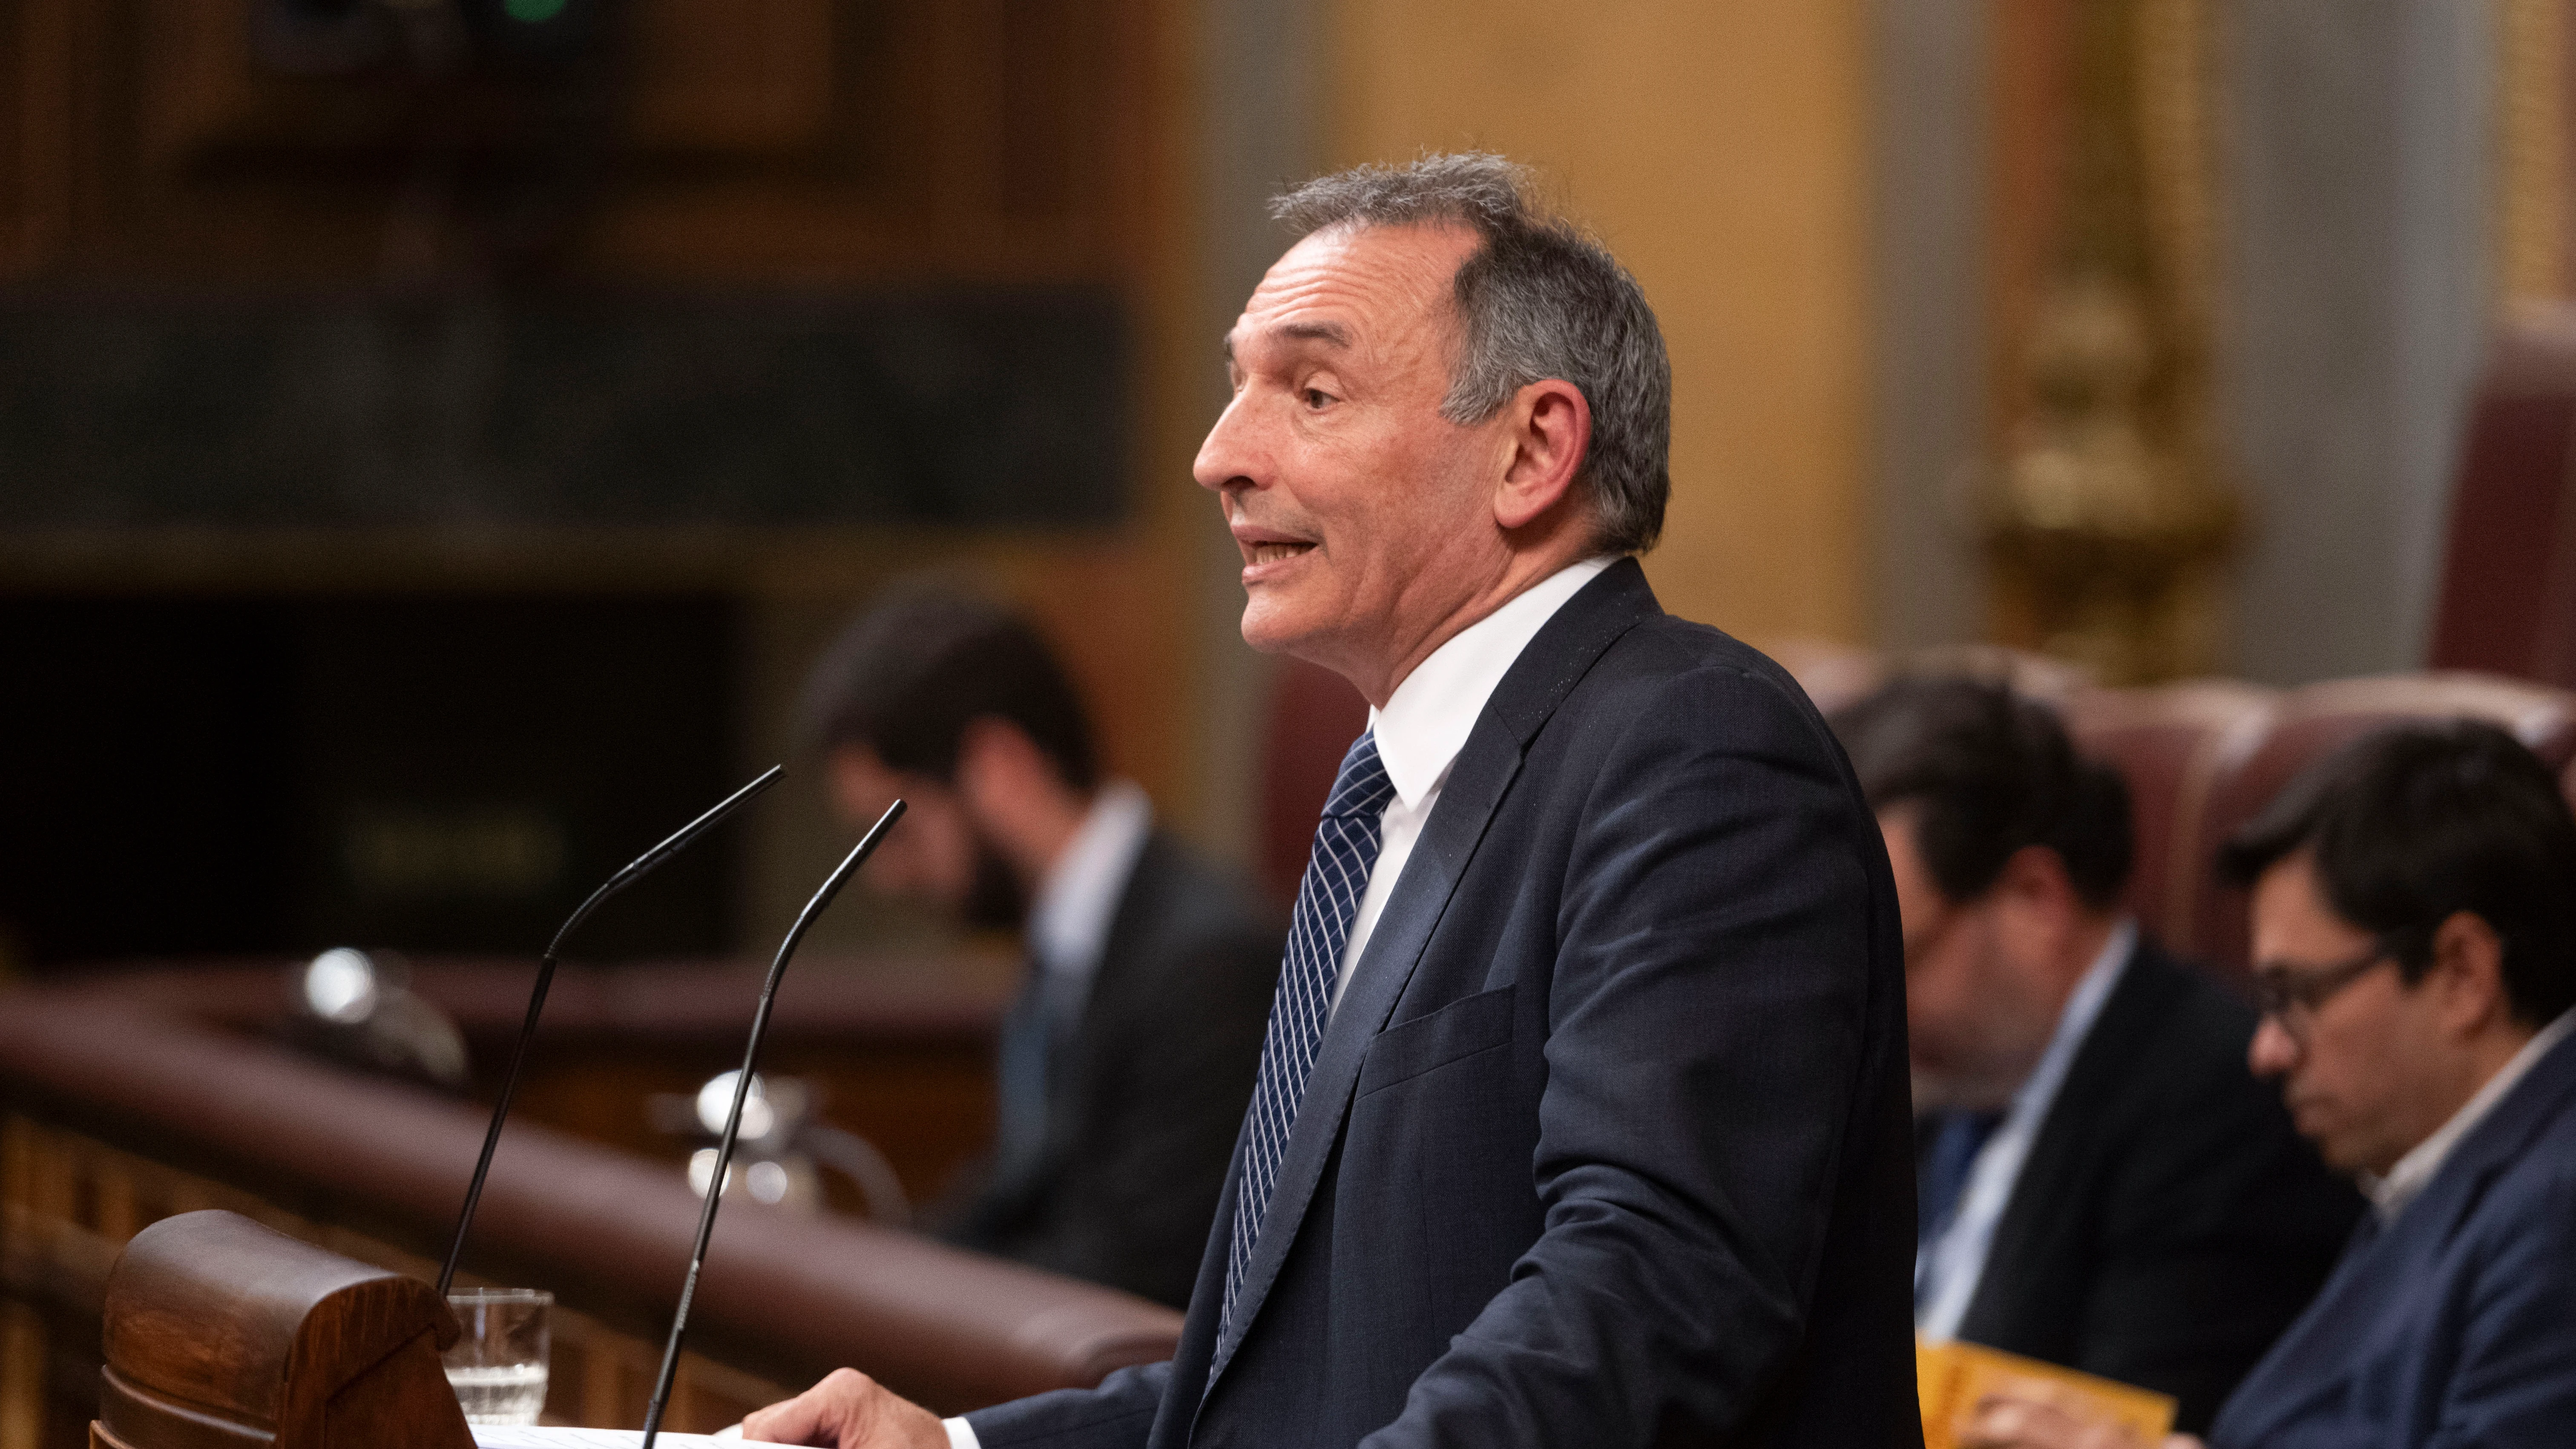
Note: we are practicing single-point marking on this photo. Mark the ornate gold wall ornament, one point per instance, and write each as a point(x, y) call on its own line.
point(2105, 525)
point(2107, 517)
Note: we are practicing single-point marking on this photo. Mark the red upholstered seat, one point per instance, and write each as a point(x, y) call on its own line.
point(2173, 744)
point(2508, 601)
point(1314, 716)
point(2307, 724)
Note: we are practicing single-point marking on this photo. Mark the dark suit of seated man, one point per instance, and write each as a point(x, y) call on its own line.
point(2104, 1184)
point(1581, 1112)
point(2415, 950)
point(1128, 1057)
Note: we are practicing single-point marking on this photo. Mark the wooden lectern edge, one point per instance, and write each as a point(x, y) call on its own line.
point(298, 1347)
point(113, 1386)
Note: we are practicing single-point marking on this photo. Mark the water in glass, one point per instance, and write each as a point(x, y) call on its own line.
point(498, 1364)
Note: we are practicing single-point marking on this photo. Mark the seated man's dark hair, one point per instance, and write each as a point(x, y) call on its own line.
point(1992, 772)
point(928, 658)
point(2413, 823)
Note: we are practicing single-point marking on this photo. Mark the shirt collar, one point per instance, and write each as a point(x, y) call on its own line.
point(2075, 1020)
point(1069, 920)
point(1427, 720)
point(2414, 1172)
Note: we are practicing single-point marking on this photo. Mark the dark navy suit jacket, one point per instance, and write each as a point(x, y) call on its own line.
point(2454, 1325)
point(1608, 1142)
point(2169, 1222)
point(1144, 1096)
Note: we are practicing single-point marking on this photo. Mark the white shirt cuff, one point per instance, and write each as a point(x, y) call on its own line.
point(961, 1435)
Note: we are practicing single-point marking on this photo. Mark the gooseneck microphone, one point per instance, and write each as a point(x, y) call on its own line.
point(867, 846)
point(635, 871)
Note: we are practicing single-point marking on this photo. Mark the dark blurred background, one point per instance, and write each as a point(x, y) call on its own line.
point(435, 435)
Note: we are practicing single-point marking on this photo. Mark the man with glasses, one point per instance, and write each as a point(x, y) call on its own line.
point(2415, 951)
point(2102, 1183)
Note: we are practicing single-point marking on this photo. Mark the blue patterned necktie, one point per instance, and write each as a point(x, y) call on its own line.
point(1337, 874)
point(1957, 1137)
point(1031, 1031)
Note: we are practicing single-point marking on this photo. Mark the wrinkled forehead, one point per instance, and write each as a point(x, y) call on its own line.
point(1368, 291)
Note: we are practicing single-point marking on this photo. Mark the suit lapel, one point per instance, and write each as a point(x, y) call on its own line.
point(2540, 1098)
point(1075, 1083)
point(2107, 1058)
point(2316, 1353)
point(1536, 684)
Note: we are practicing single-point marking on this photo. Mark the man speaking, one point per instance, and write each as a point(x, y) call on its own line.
point(1581, 1115)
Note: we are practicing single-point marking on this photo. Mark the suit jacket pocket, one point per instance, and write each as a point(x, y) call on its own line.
point(1459, 1030)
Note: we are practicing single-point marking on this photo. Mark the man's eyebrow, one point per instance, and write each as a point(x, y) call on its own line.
point(1330, 333)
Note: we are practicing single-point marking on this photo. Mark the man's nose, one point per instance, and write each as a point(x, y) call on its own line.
point(2273, 1051)
point(1228, 456)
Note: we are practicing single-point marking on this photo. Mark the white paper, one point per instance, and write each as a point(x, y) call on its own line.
point(516, 1436)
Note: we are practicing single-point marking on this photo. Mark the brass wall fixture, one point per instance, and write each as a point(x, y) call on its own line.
point(2107, 517)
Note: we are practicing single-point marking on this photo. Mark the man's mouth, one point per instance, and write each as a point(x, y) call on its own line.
point(1263, 547)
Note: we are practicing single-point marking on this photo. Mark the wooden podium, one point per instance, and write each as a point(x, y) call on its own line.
point(221, 1334)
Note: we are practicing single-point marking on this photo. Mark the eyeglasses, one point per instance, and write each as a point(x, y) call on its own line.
point(2291, 996)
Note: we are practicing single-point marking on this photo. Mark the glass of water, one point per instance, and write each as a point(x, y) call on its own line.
point(498, 1366)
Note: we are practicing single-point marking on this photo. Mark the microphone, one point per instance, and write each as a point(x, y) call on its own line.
point(636, 870)
point(866, 847)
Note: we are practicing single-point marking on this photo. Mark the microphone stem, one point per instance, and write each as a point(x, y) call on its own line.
point(635, 870)
point(733, 1121)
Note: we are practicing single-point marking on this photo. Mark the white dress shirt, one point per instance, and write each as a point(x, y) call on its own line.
point(1426, 723)
point(1948, 1268)
point(1419, 734)
point(2414, 1172)
point(1078, 900)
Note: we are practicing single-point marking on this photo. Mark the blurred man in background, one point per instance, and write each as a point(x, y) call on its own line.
point(1126, 1062)
point(2103, 1185)
point(2415, 952)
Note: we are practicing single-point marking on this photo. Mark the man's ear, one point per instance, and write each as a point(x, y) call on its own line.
point(995, 759)
point(2468, 964)
point(2037, 875)
point(858, 782)
point(1549, 434)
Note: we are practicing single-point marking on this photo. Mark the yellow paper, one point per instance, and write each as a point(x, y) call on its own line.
point(1950, 1379)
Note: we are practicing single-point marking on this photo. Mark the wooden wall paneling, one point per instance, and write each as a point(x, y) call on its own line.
point(22, 1373)
point(751, 78)
point(2531, 122)
point(965, 61)
point(1044, 49)
point(23, 1355)
point(753, 140)
point(849, 206)
point(2032, 41)
point(35, 131)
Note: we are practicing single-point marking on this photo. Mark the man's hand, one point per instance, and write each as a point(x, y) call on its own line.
point(2011, 1421)
point(847, 1410)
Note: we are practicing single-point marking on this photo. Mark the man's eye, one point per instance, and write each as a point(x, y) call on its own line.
point(1316, 397)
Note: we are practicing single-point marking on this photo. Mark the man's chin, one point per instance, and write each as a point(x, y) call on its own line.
point(1944, 1092)
point(1272, 628)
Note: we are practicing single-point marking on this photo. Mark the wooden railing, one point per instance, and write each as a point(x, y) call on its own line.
point(127, 1101)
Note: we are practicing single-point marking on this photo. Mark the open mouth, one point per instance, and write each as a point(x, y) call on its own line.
point(1265, 553)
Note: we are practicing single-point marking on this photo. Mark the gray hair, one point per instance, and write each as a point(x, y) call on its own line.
point(1540, 299)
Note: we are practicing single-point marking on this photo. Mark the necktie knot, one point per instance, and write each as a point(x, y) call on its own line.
point(1957, 1137)
point(1361, 787)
